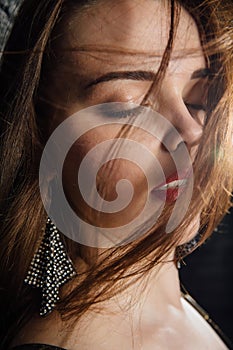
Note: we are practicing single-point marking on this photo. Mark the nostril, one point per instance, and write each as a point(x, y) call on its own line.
point(190, 136)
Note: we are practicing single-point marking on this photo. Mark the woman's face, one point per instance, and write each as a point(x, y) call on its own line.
point(121, 49)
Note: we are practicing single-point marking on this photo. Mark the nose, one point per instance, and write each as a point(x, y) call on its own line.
point(175, 111)
point(189, 130)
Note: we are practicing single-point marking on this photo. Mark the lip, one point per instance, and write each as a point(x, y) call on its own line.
point(173, 187)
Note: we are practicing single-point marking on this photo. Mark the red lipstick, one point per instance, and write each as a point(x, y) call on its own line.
point(172, 188)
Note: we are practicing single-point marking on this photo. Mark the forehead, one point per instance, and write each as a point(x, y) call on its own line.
point(133, 25)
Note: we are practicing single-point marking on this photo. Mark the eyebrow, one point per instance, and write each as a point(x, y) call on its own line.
point(141, 76)
point(128, 75)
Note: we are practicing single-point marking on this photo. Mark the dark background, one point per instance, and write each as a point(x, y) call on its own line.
point(208, 276)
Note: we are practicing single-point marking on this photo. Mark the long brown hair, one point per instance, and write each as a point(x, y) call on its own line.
point(21, 210)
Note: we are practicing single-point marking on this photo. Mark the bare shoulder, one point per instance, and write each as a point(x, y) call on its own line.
point(199, 325)
point(188, 331)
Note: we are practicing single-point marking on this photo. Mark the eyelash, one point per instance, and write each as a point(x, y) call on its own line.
point(196, 107)
point(136, 111)
point(124, 113)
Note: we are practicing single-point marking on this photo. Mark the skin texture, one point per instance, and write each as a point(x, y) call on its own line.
point(158, 318)
point(119, 28)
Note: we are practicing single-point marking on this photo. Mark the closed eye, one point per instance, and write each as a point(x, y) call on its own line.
point(196, 107)
point(114, 113)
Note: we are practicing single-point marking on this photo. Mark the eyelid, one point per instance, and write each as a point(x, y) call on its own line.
point(122, 113)
point(197, 106)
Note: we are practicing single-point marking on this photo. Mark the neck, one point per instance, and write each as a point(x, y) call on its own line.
point(159, 290)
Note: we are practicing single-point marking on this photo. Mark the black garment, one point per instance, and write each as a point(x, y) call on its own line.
point(37, 347)
point(186, 296)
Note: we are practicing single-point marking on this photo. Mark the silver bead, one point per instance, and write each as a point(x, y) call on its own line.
point(50, 268)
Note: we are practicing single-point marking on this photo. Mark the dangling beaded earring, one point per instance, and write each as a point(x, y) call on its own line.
point(50, 268)
point(187, 248)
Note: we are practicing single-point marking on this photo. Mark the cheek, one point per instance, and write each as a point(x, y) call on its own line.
point(103, 183)
point(193, 152)
point(115, 178)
